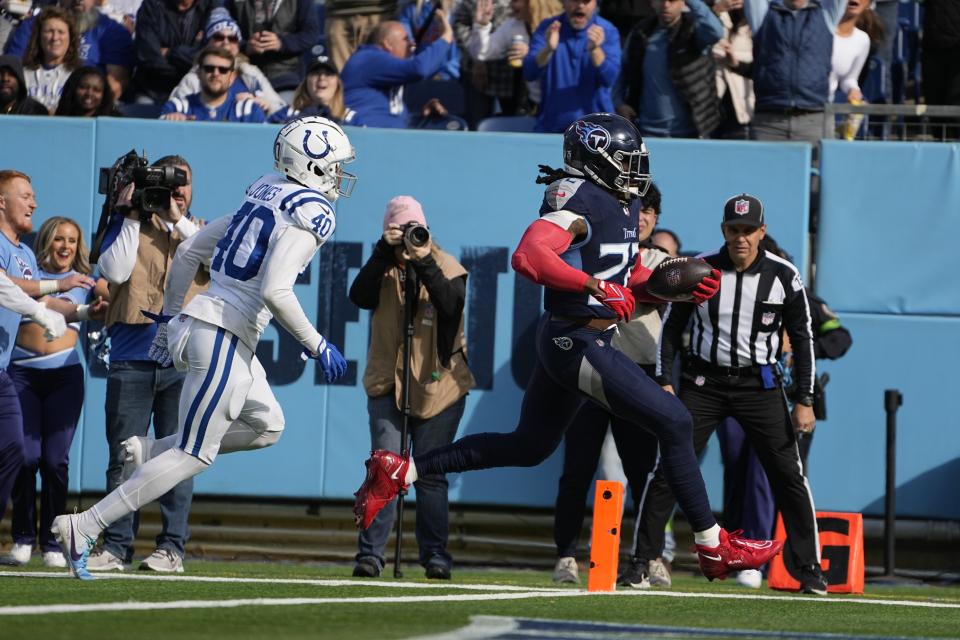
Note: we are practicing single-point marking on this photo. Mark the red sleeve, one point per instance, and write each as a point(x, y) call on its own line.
point(538, 258)
point(638, 282)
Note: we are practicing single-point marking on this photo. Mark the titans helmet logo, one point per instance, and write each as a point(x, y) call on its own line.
point(311, 154)
point(593, 137)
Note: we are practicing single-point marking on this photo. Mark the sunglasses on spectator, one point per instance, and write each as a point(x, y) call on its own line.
point(222, 37)
point(210, 68)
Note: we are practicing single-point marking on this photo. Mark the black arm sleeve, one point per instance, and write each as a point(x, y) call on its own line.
point(448, 298)
point(671, 339)
point(365, 290)
point(797, 321)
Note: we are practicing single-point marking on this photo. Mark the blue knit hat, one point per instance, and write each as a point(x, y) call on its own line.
point(221, 21)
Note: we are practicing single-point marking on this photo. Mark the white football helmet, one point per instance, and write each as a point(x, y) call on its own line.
point(312, 151)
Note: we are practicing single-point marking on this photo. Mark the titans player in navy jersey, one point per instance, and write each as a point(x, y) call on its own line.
point(584, 250)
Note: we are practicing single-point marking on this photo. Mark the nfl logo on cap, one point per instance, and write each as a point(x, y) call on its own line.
point(743, 209)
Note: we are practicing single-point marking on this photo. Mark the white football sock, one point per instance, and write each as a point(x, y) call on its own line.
point(157, 476)
point(411, 475)
point(708, 538)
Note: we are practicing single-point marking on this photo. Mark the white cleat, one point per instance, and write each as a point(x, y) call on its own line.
point(75, 545)
point(54, 560)
point(136, 451)
point(19, 554)
point(750, 578)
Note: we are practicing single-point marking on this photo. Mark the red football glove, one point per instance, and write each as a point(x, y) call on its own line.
point(617, 298)
point(707, 288)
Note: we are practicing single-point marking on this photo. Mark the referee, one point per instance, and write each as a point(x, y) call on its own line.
point(730, 371)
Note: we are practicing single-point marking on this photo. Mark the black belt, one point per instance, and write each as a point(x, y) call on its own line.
point(700, 366)
point(789, 111)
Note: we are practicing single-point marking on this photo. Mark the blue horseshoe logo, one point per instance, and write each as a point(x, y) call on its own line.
point(306, 148)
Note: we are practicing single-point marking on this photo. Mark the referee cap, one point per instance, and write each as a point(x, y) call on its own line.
point(743, 209)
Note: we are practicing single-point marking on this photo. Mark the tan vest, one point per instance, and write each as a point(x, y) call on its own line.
point(144, 288)
point(433, 387)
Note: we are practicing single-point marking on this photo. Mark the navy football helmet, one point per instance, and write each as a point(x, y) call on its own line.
point(609, 151)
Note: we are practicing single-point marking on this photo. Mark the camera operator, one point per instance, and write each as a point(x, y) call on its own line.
point(439, 375)
point(136, 254)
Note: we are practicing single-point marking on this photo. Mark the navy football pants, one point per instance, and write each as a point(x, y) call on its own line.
point(573, 364)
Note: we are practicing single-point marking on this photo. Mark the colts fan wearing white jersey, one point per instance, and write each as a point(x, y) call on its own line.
point(254, 257)
point(584, 250)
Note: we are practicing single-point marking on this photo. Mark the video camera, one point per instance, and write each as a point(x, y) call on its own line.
point(153, 188)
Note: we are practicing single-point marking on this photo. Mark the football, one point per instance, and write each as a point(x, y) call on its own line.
point(675, 279)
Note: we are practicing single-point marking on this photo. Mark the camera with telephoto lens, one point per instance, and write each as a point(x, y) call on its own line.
point(416, 234)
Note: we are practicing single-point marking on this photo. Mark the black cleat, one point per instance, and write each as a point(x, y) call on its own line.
point(812, 580)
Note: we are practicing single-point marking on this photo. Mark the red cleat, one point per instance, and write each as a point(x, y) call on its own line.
point(735, 554)
point(385, 474)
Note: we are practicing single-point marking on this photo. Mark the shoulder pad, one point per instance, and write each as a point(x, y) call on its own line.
point(309, 210)
point(560, 194)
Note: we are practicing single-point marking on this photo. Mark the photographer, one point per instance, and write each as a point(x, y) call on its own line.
point(439, 375)
point(136, 255)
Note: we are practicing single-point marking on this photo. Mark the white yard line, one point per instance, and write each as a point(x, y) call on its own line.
point(333, 582)
point(267, 602)
point(502, 592)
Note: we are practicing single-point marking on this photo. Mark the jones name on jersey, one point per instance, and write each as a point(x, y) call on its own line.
point(272, 207)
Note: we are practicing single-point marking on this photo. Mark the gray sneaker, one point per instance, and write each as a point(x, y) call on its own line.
point(102, 560)
point(566, 571)
point(162, 560)
point(659, 571)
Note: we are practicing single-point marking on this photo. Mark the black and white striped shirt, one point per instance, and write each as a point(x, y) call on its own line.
point(740, 326)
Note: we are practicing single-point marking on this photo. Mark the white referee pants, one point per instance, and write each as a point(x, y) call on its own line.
point(226, 405)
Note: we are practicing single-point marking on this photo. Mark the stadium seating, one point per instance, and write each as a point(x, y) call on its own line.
point(449, 92)
point(136, 110)
point(519, 124)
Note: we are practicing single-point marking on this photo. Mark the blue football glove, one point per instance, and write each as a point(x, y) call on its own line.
point(158, 351)
point(331, 360)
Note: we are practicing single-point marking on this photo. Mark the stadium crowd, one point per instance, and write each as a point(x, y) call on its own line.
point(760, 69)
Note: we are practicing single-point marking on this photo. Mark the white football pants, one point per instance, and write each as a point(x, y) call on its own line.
point(226, 405)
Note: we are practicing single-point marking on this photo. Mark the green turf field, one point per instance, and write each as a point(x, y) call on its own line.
point(245, 600)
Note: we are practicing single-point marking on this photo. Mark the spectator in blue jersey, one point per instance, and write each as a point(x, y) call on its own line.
point(214, 101)
point(792, 52)
point(419, 18)
point(576, 58)
point(135, 260)
point(277, 35)
point(668, 83)
point(103, 42)
point(223, 31)
point(320, 94)
point(48, 377)
point(169, 37)
point(374, 76)
point(19, 284)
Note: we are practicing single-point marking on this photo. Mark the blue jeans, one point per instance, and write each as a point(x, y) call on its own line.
point(432, 514)
point(135, 391)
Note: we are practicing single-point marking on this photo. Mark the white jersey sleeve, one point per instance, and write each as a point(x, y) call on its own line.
point(251, 247)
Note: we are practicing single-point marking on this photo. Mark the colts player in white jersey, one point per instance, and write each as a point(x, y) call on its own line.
point(254, 256)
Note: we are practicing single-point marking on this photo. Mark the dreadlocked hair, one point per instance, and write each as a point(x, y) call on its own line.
point(550, 175)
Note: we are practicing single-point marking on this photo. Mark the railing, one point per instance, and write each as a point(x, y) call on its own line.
point(929, 123)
